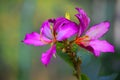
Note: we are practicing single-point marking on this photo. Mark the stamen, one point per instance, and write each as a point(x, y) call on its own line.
point(41, 38)
point(83, 40)
point(53, 34)
point(48, 42)
point(51, 28)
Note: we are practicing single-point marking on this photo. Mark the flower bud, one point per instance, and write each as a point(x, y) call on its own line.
point(63, 50)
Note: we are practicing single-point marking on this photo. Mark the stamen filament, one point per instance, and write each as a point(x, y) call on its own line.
point(41, 38)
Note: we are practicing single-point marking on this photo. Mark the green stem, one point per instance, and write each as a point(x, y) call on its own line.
point(75, 60)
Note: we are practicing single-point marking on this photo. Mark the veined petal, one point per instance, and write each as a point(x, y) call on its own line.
point(59, 22)
point(34, 39)
point(98, 30)
point(66, 31)
point(84, 20)
point(46, 29)
point(101, 46)
point(48, 55)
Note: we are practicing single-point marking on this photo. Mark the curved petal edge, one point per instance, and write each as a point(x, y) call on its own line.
point(33, 39)
point(101, 46)
point(98, 30)
point(46, 57)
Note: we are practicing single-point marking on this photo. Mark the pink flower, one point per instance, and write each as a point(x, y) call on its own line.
point(90, 40)
point(51, 31)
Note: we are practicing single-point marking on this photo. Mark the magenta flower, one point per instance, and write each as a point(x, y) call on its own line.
point(90, 40)
point(60, 29)
point(51, 31)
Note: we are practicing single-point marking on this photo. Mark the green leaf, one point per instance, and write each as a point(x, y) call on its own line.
point(84, 77)
point(63, 55)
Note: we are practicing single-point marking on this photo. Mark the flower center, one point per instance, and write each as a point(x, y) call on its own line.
point(53, 34)
point(83, 40)
point(42, 39)
point(48, 41)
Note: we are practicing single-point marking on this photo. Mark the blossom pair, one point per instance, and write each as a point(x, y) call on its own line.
point(62, 28)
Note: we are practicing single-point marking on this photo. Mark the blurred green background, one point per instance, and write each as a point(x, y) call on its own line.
point(22, 62)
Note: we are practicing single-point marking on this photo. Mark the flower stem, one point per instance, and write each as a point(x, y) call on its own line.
point(77, 68)
point(75, 60)
point(76, 63)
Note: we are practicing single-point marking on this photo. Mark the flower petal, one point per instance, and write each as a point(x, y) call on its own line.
point(96, 53)
point(48, 55)
point(89, 48)
point(46, 29)
point(66, 31)
point(101, 46)
point(34, 39)
point(98, 30)
point(59, 22)
point(84, 20)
